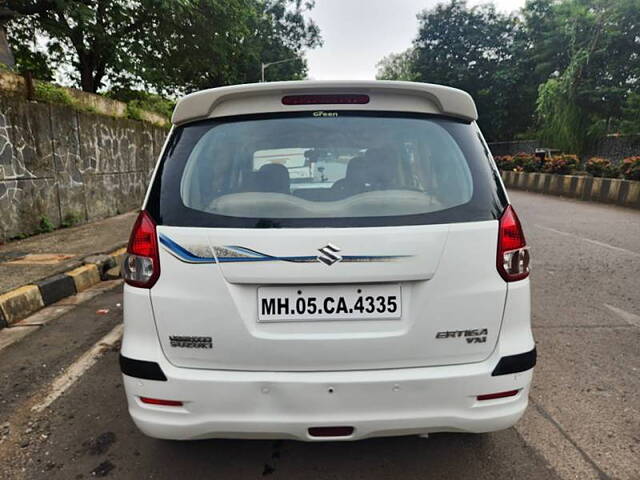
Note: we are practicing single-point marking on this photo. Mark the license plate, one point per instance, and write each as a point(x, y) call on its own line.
point(346, 302)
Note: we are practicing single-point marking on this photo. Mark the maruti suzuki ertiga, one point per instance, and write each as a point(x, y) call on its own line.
point(326, 261)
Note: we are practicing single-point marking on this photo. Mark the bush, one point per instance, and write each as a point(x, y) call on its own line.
point(505, 162)
point(527, 162)
point(630, 168)
point(138, 100)
point(45, 225)
point(71, 219)
point(602, 167)
point(561, 164)
point(133, 111)
point(47, 92)
point(520, 162)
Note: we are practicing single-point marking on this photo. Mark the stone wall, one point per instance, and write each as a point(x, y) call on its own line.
point(59, 163)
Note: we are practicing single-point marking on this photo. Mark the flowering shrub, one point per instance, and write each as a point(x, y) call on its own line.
point(630, 168)
point(520, 162)
point(602, 167)
point(505, 162)
point(527, 162)
point(561, 164)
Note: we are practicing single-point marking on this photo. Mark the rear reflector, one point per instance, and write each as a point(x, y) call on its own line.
point(492, 396)
point(157, 401)
point(340, 99)
point(330, 431)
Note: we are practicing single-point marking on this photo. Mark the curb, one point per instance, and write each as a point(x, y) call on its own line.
point(624, 193)
point(23, 301)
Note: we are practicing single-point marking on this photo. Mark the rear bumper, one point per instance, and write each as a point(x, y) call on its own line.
point(235, 404)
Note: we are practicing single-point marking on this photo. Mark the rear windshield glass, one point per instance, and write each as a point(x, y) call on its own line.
point(324, 169)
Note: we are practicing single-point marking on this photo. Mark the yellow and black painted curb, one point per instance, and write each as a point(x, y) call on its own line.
point(616, 191)
point(23, 301)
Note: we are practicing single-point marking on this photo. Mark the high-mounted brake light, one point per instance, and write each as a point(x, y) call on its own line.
point(335, 99)
point(513, 253)
point(142, 263)
point(330, 431)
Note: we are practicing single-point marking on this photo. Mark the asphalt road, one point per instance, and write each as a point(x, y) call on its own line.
point(583, 420)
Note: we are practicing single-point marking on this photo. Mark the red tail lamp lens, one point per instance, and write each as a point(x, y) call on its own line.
point(493, 396)
point(513, 254)
point(158, 401)
point(336, 99)
point(141, 266)
point(143, 237)
point(511, 236)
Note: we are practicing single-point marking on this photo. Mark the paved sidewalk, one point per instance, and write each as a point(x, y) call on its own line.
point(26, 261)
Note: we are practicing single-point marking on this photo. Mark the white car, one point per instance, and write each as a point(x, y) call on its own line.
point(386, 293)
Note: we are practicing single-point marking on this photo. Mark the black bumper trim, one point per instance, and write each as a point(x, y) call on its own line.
point(141, 369)
point(516, 363)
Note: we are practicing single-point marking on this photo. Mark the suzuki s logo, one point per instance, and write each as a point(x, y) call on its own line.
point(329, 254)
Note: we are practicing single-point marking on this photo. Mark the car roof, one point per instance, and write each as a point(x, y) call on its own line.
point(385, 95)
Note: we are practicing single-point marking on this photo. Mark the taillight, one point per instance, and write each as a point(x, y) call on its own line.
point(513, 253)
point(142, 263)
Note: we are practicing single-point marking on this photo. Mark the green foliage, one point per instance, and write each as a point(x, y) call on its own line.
point(630, 122)
point(49, 93)
point(473, 49)
point(527, 162)
point(563, 70)
point(563, 123)
point(602, 167)
point(598, 70)
point(255, 32)
point(520, 162)
point(630, 168)
point(45, 225)
point(34, 62)
point(505, 162)
point(87, 108)
point(171, 46)
point(71, 219)
point(138, 100)
point(398, 66)
point(133, 112)
point(561, 164)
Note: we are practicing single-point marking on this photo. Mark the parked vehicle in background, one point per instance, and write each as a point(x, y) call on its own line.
point(326, 261)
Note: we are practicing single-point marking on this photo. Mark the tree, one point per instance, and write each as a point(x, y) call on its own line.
point(255, 32)
point(472, 49)
point(592, 93)
point(11, 9)
point(397, 66)
point(166, 45)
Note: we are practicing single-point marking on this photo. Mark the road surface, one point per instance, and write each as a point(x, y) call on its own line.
point(63, 414)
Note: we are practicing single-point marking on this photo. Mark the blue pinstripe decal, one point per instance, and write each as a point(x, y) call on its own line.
point(183, 253)
point(255, 256)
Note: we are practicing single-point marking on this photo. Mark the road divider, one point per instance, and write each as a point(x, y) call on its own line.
point(625, 193)
point(25, 300)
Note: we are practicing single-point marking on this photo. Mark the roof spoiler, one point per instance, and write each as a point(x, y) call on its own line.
point(267, 98)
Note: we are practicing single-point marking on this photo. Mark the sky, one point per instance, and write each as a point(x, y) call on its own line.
point(358, 33)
